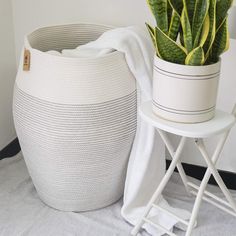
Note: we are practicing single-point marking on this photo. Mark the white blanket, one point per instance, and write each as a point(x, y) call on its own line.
point(147, 160)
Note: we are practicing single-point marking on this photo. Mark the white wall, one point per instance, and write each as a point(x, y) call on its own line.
point(7, 73)
point(30, 14)
point(232, 20)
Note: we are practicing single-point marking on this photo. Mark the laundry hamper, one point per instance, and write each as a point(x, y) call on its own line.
point(75, 118)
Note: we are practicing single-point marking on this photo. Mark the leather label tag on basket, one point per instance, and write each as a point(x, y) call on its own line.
point(26, 61)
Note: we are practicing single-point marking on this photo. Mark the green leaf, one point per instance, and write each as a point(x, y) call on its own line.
point(174, 26)
point(222, 7)
point(205, 30)
point(177, 5)
point(181, 36)
point(221, 42)
point(168, 49)
point(190, 4)
point(200, 13)
point(152, 33)
point(212, 28)
point(159, 10)
point(169, 13)
point(187, 34)
point(195, 57)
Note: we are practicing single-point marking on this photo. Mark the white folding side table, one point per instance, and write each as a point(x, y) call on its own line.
point(221, 124)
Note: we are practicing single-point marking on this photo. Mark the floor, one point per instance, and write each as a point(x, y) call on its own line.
point(22, 213)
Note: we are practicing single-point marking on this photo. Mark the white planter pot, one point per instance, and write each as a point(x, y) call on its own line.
point(75, 119)
point(184, 93)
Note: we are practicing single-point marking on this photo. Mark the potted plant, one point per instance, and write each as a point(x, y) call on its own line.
point(189, 37)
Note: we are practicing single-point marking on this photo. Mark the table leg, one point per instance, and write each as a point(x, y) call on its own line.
point(196, 206)
point(161, 186)
point(211, 163)
point(216, 174)
point(179, 166)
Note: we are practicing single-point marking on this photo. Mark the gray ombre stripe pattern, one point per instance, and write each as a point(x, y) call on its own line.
point(76, 154)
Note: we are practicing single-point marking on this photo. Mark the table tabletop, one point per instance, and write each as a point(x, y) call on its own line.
point(222, 122)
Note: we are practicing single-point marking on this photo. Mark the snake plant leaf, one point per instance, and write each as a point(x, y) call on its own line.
point(195, 57)
point(181, 37)
point(152, 33)
point(205, 30)
point(221, 42)
point(168, 49)
point(200, 13)
point(169, 13)
point(186, 27)
point(176, 5)
point(190, 4)
point(203, 33)
point(212, 28)
point(174, 26)
point(222, 7)
point(194, 32)
point(159, 10)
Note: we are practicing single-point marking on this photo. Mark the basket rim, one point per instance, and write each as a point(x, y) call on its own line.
point(28, 46)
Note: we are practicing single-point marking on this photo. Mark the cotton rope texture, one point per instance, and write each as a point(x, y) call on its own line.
point(75, 119)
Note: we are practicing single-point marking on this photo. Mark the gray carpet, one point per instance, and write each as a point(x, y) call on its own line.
point(23, 213)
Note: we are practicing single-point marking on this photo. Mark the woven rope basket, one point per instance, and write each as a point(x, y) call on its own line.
point(75, 119)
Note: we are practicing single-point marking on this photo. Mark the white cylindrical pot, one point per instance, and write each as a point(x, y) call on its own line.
point(184, 93)
point(75, 119)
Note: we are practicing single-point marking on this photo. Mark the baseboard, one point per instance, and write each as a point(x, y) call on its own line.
point(198, 172)
point(10, 150)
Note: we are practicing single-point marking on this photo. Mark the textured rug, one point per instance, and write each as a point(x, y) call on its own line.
point(23, 213)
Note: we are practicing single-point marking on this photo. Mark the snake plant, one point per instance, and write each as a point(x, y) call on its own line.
point(190, 32)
